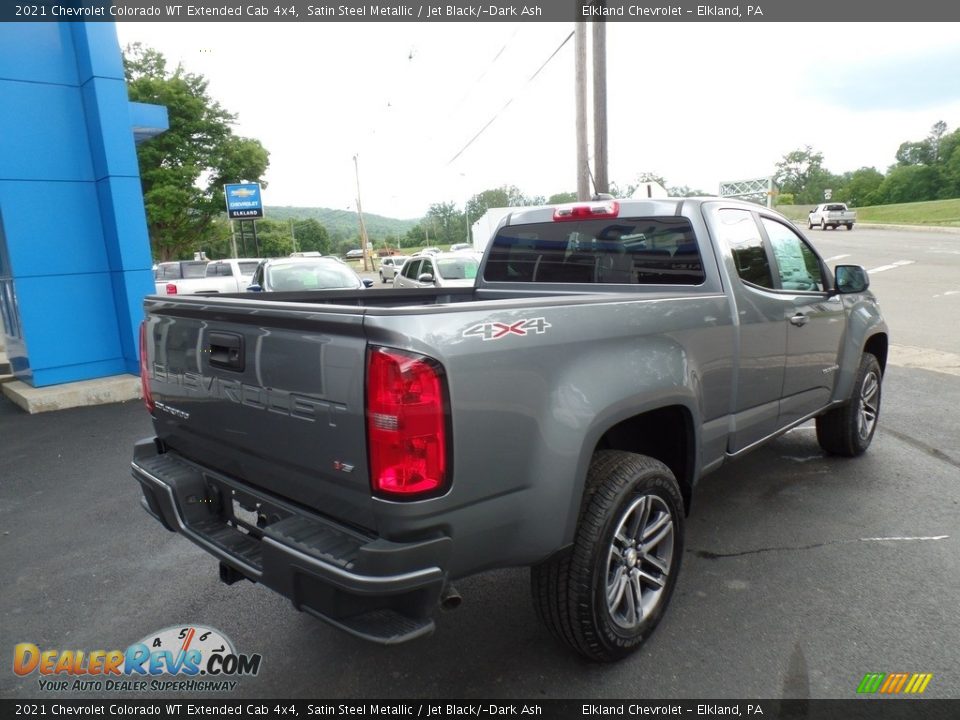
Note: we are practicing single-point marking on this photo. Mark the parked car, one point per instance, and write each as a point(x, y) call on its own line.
point(458, 247)
point(355, 253)
point(167, 275)
point(390, 266)
point(222, 276)
point(441, 270)
point(309, 273)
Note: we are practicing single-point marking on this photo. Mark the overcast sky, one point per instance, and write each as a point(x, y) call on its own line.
point(697, 103)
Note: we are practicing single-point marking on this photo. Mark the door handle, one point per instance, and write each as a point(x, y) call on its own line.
point(799, 320)
point(226, 351)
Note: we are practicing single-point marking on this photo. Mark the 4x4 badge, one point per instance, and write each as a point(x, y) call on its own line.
point(497, 330)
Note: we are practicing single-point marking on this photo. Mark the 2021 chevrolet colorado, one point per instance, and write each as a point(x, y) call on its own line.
point(358, 452)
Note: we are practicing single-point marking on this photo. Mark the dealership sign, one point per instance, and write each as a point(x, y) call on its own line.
point(243, 201)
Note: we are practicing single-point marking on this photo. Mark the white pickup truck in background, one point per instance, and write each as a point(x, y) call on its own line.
point(167, 276)
point(221, 276)
point(831, 215)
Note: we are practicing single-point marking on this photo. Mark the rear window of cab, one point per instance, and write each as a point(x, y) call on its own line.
point(619, 251)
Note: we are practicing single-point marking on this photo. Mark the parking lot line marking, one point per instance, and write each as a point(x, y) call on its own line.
point(952, 292)
point(837, 257)
point(903, 539)
point(891, 266)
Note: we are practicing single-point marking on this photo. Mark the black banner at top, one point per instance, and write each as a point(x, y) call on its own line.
point(323, 11)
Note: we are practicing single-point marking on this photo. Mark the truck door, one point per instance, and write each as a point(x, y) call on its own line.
point(814, 319)
point(760, 325)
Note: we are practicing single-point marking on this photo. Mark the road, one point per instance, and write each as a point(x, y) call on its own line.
point(801, 572)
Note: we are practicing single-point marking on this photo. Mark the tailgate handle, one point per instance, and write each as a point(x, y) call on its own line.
point(226, 351)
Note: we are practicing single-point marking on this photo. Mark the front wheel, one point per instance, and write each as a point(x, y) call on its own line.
point(848, 429)
point(809, 225)
point(605, 595)
point(823, 224)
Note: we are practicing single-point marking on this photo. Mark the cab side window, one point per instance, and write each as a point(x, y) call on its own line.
point(739, 231)
point(797, 265)
point(427, 267)
point(410, 269)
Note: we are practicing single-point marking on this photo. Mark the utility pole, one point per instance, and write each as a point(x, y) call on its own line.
point(580, 51)
point(600, 177)
point(293, 238)
point(363, 228)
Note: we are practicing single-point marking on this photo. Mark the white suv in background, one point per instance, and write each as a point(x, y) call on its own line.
point(390, 266)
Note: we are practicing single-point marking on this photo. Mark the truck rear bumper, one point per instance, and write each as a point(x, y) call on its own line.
point(370, 587)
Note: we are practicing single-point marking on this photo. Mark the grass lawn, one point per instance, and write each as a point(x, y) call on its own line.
point(932, 212)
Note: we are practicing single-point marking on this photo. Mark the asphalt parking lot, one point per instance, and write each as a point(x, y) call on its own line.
point(801, 573)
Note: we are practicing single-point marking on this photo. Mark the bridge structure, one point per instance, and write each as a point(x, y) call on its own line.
point(758, 190)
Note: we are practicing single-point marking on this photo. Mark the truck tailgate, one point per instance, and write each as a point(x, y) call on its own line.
point(271, 397)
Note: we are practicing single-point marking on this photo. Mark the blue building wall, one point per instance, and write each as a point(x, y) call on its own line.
point(75, 258)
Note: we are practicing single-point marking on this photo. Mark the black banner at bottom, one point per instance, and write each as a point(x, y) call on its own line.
point(872, 709)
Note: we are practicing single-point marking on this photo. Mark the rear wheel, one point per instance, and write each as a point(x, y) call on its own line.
point(823, 224)
point(605, 595)
point(848, 429)
point(382, 278)
point(849, 226)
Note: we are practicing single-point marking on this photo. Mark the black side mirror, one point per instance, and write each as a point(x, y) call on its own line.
point(367, 282)
point(254, 288)
point(851, 279)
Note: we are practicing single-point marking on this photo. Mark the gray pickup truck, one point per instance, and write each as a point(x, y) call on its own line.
point(359, 452)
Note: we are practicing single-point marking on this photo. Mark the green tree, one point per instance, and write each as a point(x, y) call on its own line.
point(859, 188)
point(503, 196)
point(311, 236)
point(801, 173)
point(447, 223)
point(909, 183)
point(183, 169)
point(563, 197)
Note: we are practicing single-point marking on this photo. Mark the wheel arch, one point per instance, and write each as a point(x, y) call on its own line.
point(666, 433)
point(878, 345)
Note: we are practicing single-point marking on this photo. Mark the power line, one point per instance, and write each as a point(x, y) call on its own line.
point(507, 104)
point(483, 74)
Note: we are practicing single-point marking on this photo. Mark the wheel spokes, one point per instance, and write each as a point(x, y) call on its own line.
point(638, 560)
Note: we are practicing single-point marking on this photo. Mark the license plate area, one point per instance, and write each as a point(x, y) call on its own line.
point(247, 512)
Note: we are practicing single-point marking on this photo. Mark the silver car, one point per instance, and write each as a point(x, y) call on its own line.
point(305, 273)
point(441, 270)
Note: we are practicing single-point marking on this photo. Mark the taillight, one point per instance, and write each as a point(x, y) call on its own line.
point(406, 424)
point(145, 369)
point(586, 211)
point(171, 289)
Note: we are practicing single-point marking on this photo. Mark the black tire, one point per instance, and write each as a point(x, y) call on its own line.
point(849, 429)
point(570, 590)
point(382, 278)
point(823, 224)
point(809, 225)
point(849, 226)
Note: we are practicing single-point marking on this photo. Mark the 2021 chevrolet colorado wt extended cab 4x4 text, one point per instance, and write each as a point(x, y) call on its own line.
point(358, 452)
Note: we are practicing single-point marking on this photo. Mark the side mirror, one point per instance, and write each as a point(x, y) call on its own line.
point(367, 282)
point(851, 279)
point(426, 278)
point(254, 288)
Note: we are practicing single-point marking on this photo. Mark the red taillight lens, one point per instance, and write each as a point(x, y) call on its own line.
point(601, 209)
point(406, 423)
point(145, 369)
point(171, 289)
